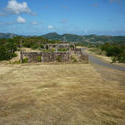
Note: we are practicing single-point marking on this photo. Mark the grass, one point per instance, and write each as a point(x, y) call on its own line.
point(71, 94)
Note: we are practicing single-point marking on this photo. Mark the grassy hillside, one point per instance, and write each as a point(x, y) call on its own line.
point(85, 38)
point(75, 38)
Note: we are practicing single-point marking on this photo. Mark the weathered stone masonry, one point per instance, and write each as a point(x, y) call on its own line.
point(46, 56)
point(56, 56)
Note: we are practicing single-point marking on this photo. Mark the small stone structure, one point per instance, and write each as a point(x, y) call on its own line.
point(56, 56)
point(81, 55)
point(46, 56)
point(67, 46)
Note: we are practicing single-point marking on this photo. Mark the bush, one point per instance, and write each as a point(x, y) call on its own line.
point(62, 49)
point(15, 62)
point(116, 51)
point(25, 60)
point(73, 59)
point(58, 58)
point(39, 59)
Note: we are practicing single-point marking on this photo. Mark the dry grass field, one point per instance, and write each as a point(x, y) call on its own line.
point(71, 94)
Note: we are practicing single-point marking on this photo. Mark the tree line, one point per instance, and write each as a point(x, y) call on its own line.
point(8, 47)
point(116, 51)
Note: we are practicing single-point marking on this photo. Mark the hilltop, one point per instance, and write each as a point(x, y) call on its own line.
point(93, 38)
point(85, 38)
point(7, 35)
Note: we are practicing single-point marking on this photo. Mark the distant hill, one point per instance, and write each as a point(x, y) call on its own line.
point(85, 38)
point(75, 38)
point(64, 37)
point(53, 36)
point(7, 35)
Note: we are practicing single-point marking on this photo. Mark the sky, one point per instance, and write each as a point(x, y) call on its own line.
point(83, 17)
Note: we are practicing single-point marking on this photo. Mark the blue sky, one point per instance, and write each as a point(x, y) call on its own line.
point(36, 17)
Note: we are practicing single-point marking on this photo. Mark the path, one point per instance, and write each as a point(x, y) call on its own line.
point(107, 70)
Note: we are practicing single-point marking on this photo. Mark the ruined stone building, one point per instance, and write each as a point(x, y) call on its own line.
point(62, 53)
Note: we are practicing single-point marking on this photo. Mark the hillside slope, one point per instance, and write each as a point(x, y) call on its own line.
point(7, 35)
point(75, 38)
point(85, 38)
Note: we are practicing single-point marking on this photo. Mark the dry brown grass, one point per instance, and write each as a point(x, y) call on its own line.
point(101, 56)
point(72, 94)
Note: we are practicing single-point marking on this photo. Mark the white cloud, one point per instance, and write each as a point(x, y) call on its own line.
point(50, 27)
point(34, 23)
point(21, 20)
point(17, 8)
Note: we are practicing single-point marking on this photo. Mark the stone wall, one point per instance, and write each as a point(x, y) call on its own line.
point(60, 46)
point(46, 56)
point(56, 56)
point(81, 55)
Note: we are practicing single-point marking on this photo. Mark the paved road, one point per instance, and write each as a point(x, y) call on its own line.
point(98, 61)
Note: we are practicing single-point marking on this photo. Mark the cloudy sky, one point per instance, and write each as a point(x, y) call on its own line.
point(36, 17)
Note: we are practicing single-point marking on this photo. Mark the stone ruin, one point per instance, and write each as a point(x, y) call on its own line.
point(54, 56)
point(81, 55)
point(46, 56)
point(62, 45)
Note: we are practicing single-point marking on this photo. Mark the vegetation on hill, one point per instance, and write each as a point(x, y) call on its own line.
point(8, 47)
point(86, 39)
point(113, 46)
point(116, 51)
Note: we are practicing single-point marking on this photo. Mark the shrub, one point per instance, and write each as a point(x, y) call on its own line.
point(116, 51)
point(39, 59)
point(58, 58)
point(25, 60)
point(7, 49)
point(62, 49)
point(73, 59)
point(15, 62)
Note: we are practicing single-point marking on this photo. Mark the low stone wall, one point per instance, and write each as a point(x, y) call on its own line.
point(78, 51)
point(68, 46)
point(53, 56)
point(82, 56)
point(46, 56)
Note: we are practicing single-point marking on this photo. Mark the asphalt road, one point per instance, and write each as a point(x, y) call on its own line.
point(98, 61)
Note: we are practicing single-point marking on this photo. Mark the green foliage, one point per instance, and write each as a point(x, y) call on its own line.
point(63, 49)
point(42, 46)
point(35, 46)
point(54, 38)
point(116, 51)
point(39, 59)
point(48, 50)
point(25, 60)
point(15, 62)
point(58, 58)
point(86, 39)
point(35, 42)
point(9, 46)
point(73, 59)
point(7, 49)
